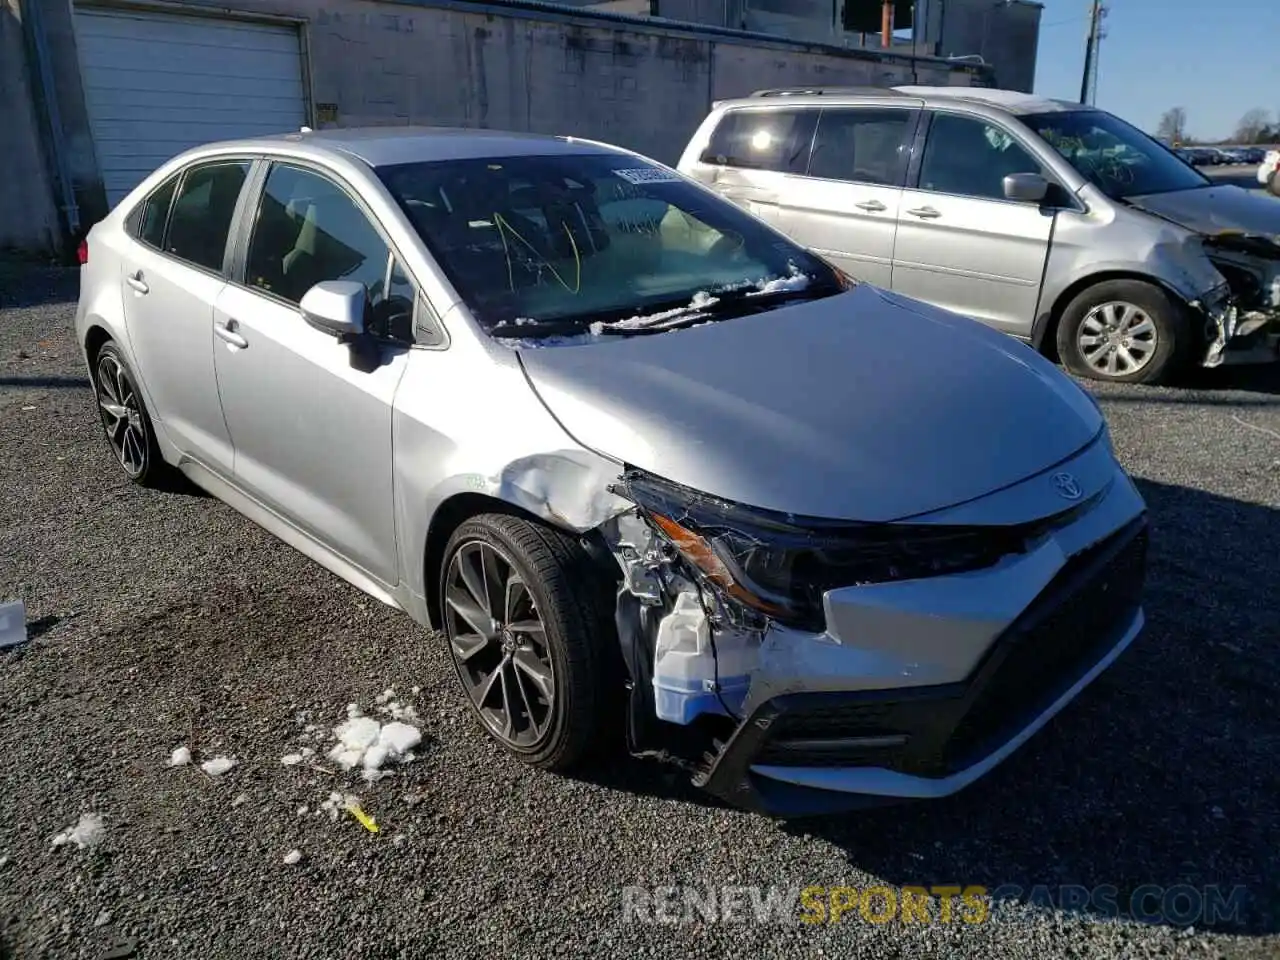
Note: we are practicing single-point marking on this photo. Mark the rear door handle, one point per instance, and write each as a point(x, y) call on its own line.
point(925, 213)
point(227, 332)
point(871, 206)
point(136, 282)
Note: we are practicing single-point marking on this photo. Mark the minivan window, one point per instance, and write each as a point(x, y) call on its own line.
point(202, 212)
point(971, 158)
point(860, 145)
point(586, 238)
point(763, 140)
point(308, 230)
point(1117, 158)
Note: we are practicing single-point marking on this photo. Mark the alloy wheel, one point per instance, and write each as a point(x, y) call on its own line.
point(499, 644)
point(122, 415)
point(1117, 339)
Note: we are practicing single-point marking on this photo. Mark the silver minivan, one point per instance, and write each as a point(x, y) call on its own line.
point(1057, 223)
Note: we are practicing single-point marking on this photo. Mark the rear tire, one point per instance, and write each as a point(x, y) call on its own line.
point(125, 420)
point(524, 612)
point(1126, 331)
point(1273, 183)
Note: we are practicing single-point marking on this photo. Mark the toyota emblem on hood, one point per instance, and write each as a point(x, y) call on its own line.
point(1068, 486)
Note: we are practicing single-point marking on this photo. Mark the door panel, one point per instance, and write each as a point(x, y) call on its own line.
point(312, 434)
point(171, 331)
point(311, 426)
point(852, 225)
point(960, 244)
point(846, 207)
point(171, 277)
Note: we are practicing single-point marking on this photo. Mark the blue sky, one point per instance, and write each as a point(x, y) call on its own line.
point(1217, 59)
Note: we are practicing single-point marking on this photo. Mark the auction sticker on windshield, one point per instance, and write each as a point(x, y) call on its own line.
point(647, 175)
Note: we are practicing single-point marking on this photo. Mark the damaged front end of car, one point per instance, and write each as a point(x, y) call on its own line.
point(1243, 313)
point(739, 663)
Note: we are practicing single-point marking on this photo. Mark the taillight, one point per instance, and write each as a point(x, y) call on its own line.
point(82, 252)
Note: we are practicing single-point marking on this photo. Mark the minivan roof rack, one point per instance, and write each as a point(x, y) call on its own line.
point(828, 91)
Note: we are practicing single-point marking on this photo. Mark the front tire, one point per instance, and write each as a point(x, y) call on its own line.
point(1125, 331)
point(524, 614)
point(125, 420)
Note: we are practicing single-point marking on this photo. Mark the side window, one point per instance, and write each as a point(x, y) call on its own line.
point(307, 230)
point(863, 146)
point(148, 219)
point(202, 212)
point(763, 139)
point(971, 158)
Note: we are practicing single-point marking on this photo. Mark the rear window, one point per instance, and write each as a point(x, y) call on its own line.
point(763, 140)
point(149, 218)
point(201, 216)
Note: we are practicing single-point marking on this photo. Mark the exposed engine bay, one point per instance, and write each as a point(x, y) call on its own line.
point(1247, 318)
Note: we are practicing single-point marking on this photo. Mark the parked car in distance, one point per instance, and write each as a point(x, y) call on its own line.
point(636, 454)
point(1057, 223)
point(1267, 171)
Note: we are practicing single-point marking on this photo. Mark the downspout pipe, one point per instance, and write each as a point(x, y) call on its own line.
point(54, 136)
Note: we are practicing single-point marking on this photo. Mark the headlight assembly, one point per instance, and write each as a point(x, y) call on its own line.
point(781, 566)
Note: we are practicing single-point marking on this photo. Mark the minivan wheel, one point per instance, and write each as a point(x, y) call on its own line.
point(125, 420)
point(522, 613)
point(1125, 331)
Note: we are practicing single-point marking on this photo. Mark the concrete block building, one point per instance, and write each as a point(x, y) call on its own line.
point(96, 93)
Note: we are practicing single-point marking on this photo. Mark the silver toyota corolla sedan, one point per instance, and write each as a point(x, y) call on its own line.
point(639, 456)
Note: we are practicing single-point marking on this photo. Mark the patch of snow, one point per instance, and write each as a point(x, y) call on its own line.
point(218, 766)
point(292, 857)
point(86, 833)
point(795, 280)
point(180, 757)
point(364, 742)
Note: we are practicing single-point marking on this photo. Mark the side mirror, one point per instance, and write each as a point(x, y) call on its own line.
point(1026, 187)
point(336, 307)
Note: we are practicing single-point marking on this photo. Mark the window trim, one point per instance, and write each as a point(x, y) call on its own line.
point(815, 109)
point(906, 145)
point(1066, 199)
point(247, 221)
point(181, 178)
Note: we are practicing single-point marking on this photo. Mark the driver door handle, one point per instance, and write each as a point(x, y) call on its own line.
point(135, 281)
point(925, 213)
point(871, 206)
point(227, 332)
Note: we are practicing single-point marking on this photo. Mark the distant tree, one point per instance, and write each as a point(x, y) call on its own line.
point(1253, 126)
point(1173, 125)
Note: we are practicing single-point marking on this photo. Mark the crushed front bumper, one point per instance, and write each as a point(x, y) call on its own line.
point(810, 753)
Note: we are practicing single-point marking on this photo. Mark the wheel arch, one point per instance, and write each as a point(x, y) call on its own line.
point(95, 338)
point(1044, 336)
point(453, 513)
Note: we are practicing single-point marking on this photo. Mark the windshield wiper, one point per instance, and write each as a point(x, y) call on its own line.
point(666, 316)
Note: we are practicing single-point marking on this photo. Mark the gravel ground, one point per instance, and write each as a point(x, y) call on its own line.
point(162, 619)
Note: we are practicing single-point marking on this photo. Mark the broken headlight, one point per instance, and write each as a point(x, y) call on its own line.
point(781, 565)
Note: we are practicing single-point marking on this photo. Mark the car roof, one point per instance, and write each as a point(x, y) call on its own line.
point(386, 146)
point(1011, 101)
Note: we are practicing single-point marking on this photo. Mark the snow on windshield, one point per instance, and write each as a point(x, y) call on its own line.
point(702, 300)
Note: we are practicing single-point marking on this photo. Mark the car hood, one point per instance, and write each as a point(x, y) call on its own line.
point(865, 406)
point(1216, 209)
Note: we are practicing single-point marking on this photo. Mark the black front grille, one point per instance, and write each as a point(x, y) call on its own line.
point(1059, 639)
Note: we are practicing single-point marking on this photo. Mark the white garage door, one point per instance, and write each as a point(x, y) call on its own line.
point(156, 84)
